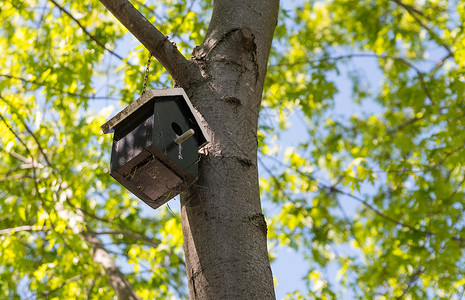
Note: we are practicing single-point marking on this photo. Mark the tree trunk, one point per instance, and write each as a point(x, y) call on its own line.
point(223, 225)
point(224, 229)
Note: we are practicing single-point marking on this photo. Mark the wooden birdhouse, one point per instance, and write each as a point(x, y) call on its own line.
point(155, 145)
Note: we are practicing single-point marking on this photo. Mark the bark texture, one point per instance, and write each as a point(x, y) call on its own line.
point(224, 229)
point(223, 225)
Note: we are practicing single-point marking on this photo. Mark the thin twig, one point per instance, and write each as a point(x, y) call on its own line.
point(132, 235)
point(376, 211)
point(34, 172)
point(42, 151)
point(332, 188)
point(21, 228)
point(412, 281)
point(420, 74)
point(39, 146)
point(126, 230)
point(99, 43)
point(48, 293)
point(46, 84)
point(415, 13)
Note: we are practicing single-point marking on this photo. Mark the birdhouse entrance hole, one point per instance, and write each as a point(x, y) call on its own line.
point(176, 128)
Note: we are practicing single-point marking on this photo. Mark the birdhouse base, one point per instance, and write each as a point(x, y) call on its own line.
point(152, 177)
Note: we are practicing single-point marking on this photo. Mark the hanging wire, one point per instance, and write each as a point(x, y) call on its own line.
point(146, 73)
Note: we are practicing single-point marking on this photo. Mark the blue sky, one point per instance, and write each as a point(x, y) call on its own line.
point(289, 268)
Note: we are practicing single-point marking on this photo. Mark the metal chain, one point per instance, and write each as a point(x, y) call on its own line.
point(146, 73)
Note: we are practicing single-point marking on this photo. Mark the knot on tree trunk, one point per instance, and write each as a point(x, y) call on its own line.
point(259, 221)
point(244, 38)
point(236, 40)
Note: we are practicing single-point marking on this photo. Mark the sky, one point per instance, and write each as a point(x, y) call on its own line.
point(290, 267)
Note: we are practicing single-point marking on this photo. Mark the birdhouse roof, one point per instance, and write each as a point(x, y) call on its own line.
point(148, 96)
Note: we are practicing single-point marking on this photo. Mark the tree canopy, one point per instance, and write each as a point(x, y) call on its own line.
point(377, 194)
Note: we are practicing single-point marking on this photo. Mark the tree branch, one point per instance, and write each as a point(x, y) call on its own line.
point(132, 235)
point(48, 293)
point(42, 151)
point(420, 74)
point(19, 157)
point(99, 43)
point(127, 231)
point(46, 84)
point(376, 211)
point(333, 188)
point(157, 43)
point(120, 284)
point(413, 12)
point(412, 281)
point(34, 171)
point(21, 228)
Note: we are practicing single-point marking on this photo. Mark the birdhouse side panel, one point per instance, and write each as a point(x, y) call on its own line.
point(172, 119)
point(130, 141)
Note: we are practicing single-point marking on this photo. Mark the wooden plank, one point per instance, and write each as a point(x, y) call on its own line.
point(131, 108)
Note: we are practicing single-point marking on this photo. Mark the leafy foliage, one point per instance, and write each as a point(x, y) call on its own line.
point(54, 165)
point(401, 166)
point(377, 194)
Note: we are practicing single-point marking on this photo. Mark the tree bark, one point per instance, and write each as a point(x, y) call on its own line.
point(223, 225)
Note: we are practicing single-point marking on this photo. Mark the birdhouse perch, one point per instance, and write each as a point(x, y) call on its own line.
point(155, 145)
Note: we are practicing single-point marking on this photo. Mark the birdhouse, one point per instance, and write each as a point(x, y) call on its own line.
point(155, 145)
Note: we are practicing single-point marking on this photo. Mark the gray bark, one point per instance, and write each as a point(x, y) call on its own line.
point(224, 229)
point(223, 225)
